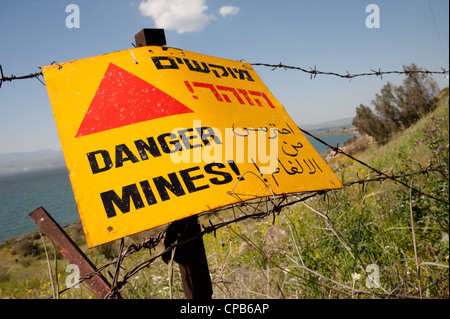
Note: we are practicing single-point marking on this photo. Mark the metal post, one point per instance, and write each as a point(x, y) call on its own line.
point(97, 283)
point(190, 255)
point(150, 37)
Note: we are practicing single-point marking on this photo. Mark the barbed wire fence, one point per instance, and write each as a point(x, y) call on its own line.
point(312, 71)
point(34, 75)
point(261, 208)
point(277, 203)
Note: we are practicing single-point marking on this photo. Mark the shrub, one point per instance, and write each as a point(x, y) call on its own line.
point(26, 247)
point(397, 108)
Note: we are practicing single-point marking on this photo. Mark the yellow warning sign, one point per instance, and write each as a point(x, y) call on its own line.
point(154, 134)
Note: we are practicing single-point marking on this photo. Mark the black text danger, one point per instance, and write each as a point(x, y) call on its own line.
point(143, 149)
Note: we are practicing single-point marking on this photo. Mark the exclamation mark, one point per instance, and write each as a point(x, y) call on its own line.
point(235, 169)
point(190, 89)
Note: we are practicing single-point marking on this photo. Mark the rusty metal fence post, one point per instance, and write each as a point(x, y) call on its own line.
point(97, 283)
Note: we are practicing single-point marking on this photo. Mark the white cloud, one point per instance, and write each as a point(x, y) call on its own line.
point(178, 15)
point(228, 10)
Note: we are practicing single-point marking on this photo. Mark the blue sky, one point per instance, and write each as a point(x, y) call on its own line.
point(331, 35)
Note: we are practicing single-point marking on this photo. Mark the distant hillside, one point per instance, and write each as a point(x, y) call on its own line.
point(20, 162)
point(328, 126)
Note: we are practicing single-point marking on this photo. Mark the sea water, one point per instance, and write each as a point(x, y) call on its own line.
point(332, 140)
point(23, 192)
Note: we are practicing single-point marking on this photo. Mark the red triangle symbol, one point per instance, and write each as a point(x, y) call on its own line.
point(123, 99)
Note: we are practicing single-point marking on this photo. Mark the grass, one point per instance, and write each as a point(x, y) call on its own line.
point(372, 240)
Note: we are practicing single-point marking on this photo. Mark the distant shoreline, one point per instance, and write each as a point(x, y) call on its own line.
point(338, 132)
point(6, 174)
point(18, 238)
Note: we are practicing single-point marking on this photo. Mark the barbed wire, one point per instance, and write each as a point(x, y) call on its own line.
point(337, 150)
point(314, 72)
point(22, 77)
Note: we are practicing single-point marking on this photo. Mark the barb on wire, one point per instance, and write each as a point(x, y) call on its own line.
point(13, 77)
point(314, 72)
point(382, 178)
